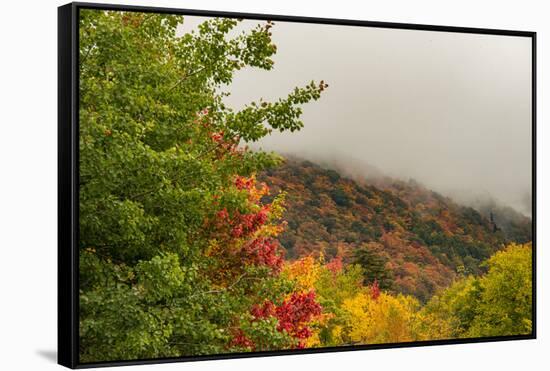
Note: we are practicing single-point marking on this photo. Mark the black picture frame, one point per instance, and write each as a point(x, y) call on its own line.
point(68, 175)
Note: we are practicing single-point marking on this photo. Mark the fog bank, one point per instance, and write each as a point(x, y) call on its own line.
point(450, 110)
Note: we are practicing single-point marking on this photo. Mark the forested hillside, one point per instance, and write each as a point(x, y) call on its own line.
point(410, 239)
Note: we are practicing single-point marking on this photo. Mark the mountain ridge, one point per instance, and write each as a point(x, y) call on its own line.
point(424, 240)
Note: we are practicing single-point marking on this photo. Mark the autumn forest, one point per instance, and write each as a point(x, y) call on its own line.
point(195, 242)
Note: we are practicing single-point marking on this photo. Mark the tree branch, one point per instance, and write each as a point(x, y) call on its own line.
point(186, 77)
point(221, 290)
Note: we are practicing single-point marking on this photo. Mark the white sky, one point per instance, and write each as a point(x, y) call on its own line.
point(450, 110)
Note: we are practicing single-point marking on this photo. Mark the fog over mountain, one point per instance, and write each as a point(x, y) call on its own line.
point(450, 110)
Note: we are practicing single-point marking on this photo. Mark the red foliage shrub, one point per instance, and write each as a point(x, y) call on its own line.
point(246, 224)
point(264, 251)
point(335, 265)
point(375, 290)
point(241, 340)
point(242, 182)
point(293, 314)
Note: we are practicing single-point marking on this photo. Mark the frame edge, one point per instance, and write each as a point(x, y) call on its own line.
point(534, 180)
point(303, 19)
point(67, 325)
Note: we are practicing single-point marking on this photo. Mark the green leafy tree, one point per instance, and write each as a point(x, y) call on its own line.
point(496, 304)
point(160, 160)
point(450, 313)
point(506, 294)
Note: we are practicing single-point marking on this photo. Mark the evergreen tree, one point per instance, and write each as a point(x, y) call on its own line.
point(374, 267)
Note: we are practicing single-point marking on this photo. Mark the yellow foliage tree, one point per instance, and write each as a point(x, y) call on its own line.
point(382, 319)
point(305, 272)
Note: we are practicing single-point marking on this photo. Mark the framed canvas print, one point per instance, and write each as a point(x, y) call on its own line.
point(236, 185)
